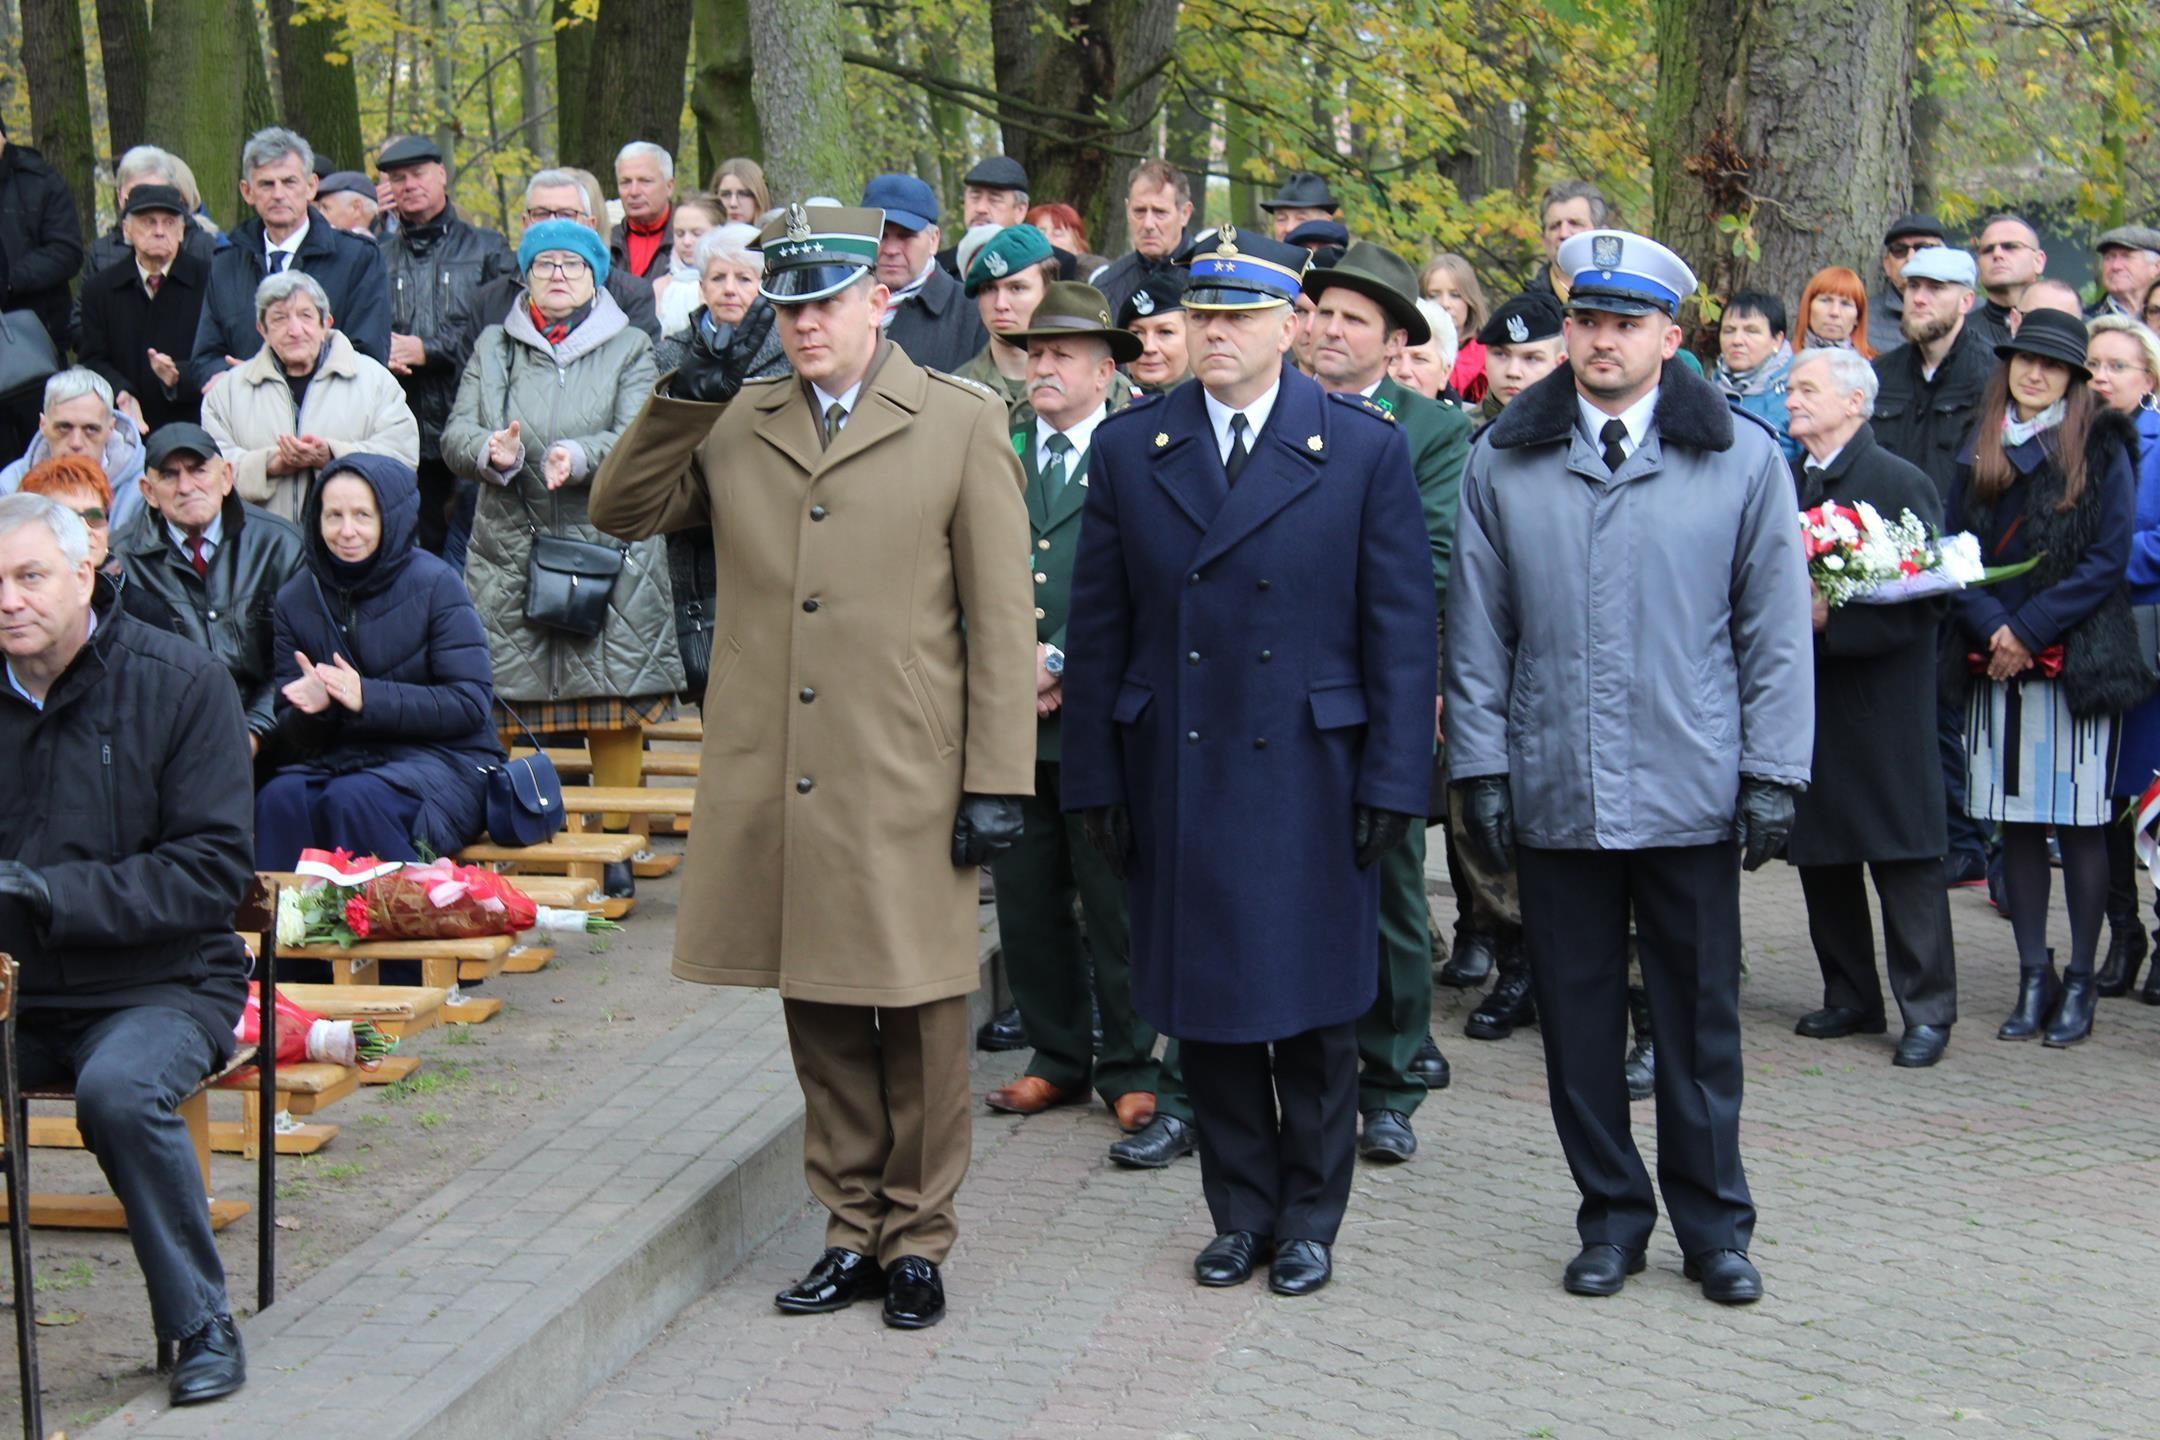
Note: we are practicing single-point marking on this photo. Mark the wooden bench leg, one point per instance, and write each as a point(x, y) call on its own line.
point(195, 1111)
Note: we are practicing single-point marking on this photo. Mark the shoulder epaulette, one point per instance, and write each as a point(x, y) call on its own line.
point(1133, 406)
point(1364, 404)
point(975, 386)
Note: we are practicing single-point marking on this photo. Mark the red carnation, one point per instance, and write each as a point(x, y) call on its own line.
point(356, 916)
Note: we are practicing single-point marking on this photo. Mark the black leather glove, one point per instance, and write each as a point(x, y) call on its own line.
point(1488, 821)
point(19, 882)
point(1109, 829)
point(705, 374)
point(985, 825)
point(1377, 832)
point(1765, 820)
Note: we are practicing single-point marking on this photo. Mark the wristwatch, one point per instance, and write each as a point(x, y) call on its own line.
point(1054, 660)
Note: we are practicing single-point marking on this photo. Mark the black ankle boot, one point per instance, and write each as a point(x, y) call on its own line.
point(1641, 1066)
point(2125, 957)
point(2073, 1017)
point(1509, 1004)
point(2037, 992)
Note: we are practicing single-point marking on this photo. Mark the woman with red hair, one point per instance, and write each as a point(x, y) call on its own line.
point(1833, 312)
point(79, 483)
point(1067, 232)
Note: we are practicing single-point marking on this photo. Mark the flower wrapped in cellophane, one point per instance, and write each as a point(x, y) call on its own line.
point(1857, 557)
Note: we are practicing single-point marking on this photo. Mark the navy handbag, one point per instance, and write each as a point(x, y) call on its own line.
point(524, 797)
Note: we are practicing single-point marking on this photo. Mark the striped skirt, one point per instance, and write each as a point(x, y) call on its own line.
point(2028, 760)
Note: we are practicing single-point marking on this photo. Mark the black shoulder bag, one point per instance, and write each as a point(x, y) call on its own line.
point(567, 582)
point(524, 796)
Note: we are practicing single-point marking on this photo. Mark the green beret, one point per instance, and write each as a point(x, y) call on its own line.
point(1012, 249)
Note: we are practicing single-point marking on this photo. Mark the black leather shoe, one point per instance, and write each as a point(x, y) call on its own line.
point(838, 1280)
point(1510, 1004)
point(1727, 1277)
point(1228, 1259)
point(914, 1295)
point(1430, 1065)
point(1835, 1022)
point(1471, 964)
point(2125, 957)
point(1922, 1046)
point(2072, 1021)
point(1002, 1031)
point(210, 1364)
point(1156, 1144)
point(617, 880)
point(1299, 1267)
point(1601, 1270)
point(1387, 1137)
point(2037, 993)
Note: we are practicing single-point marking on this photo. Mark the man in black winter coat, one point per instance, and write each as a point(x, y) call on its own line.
point(286, 232)
point(40, 251)
point(225, 605)
point(127, 844)
point(1876, 799)
point(138, 315)
point(436, 261)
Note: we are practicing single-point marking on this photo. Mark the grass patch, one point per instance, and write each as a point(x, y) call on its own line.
point(72, 1276)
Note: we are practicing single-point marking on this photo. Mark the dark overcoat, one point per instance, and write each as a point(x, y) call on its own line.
point(1877, 788)
point(122, 323)
point(425, 726)
point(1245, 666)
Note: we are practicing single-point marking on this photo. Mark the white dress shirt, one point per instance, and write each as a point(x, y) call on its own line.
point(1255, 414)
point(1636, 417)
point(290, 245)
point(846, 400)
point(1081, 434)
point(213, 536)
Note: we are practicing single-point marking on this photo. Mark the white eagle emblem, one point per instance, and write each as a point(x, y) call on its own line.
point(1518, 330)
point(1605, 251)
point(996, 264)
point(1143, 303)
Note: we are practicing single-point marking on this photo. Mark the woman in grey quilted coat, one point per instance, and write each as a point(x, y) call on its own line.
point(541, 402)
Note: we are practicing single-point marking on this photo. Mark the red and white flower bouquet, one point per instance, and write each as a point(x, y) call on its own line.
point(1857, 557)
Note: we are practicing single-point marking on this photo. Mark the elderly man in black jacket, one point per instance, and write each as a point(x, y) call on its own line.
point(139, 313)
point(1877, 795)
point(436, 261)
point(205, 566)
point(127, 844)
point(277, 178)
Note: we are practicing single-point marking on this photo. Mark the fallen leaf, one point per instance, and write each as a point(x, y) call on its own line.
point(59, 1317)
point(286, 1222)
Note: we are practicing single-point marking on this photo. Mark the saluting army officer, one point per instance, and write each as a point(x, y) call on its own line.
point(1248, 729)
point(1630, 685)
point(875, 753)
point(1072, 356)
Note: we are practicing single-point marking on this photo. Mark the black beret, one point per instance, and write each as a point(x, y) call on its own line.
point(1160, 292)
point(1525, 318)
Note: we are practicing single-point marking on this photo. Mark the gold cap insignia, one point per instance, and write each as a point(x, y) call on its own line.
point(1161, 439)
point(1226, 240)
point(1312, 442)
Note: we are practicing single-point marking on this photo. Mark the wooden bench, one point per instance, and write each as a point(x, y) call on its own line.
point(577, 854)
point(687, 727)
point(659, 764)
point(443, 963)
point(644, 804)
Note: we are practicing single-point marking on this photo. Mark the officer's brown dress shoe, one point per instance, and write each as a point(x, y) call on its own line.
point(1031, 1095)
point(1134, 1109)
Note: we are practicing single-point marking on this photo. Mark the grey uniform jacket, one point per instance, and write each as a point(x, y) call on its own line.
point(1624, 646)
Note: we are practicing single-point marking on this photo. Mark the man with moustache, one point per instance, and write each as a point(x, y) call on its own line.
point(1630, 715)
point(1248, 730)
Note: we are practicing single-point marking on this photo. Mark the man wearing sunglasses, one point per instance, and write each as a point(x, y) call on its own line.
point(2008, 249)
point(1907, 236)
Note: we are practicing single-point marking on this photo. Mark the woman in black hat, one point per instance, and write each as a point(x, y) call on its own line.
point(2051, 657)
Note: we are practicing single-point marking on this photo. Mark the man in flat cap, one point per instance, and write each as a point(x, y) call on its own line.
point(346, 199)
point(1907, 236)
point(1320, 235)
point(437, 261)
point(1365, 313)
point(995, 192)
point(1303, 196)
point(1630, 718)
point(875, 652)
point(139, 314)
point(1248, 730)
point(928, 315)
point(2129, 267)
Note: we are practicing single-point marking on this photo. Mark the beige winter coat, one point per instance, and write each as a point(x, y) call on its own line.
point(351, 401)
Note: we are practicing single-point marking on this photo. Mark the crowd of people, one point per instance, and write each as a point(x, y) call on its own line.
point(354, 459)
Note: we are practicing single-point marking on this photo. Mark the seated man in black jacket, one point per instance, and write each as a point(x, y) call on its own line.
point(205, 566)
point(127, 843)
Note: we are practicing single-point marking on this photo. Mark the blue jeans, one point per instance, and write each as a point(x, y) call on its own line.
point(131, 1068)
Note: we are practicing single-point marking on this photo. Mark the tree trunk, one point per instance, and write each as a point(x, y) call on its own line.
point(1090, 87)
point(58, 75)
point(1790, 163)
point(321, 100)
point(573, 62)
point(258, 103)
point(531, 96)
point(443, 92)
point(1244, 202)
point(802, 111)
point(633, 90)
point(1191, 138)
point(199, 52)
point(721, 96)
point(124, 49)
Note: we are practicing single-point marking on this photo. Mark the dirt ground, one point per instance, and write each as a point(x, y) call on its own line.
point(602, 999)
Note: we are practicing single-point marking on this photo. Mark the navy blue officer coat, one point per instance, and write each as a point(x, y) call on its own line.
point(1243, 666)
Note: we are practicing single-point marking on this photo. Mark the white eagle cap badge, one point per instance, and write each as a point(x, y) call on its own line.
point(1143, 303)
point(1518, 330)
point(996, 264)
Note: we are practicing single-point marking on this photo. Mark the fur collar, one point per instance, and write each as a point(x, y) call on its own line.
point(1690, 412)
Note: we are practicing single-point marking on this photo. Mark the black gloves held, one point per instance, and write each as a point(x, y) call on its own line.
point(1488, 821)
point(985, 825)
point(19, 882)
point(1109, 829)
point(705, 374)
point(1379, 831)
point(1764, 821)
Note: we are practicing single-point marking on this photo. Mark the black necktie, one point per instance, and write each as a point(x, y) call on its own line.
point(277, 261)
point(1240, 448)
point(1614, 436)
